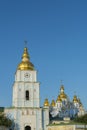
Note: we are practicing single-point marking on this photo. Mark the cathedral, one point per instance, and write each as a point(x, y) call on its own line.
point(63, 107)
point(26, 112)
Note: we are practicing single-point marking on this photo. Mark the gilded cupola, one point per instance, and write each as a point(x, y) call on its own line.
point(75, 99)
point(62, 94)
point(59, 99)
point(53, 103)
point(25, 63)
point(46, 103)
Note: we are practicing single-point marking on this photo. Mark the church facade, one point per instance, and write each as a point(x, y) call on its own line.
point(26, 111)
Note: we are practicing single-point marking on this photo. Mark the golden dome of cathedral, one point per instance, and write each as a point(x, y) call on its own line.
point(75, 98)
point(46, 103)
point(63, 95)
point(58, 99)
point(25, 63)
point(53, 103)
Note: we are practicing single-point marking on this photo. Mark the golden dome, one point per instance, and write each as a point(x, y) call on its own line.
point(59, 99)
point(75, 98)
point(46, 103)
point(25, 63)
point(53, 103)
point(63, 95)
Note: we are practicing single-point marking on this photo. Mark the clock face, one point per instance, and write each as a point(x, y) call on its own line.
point(27, 75)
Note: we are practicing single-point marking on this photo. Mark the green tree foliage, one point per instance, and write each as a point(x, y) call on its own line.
point(4, 121)
point(81, 119)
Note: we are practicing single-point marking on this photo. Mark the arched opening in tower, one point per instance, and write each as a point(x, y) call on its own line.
point(27, 128)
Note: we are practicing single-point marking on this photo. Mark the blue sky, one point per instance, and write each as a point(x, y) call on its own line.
point(56, 31)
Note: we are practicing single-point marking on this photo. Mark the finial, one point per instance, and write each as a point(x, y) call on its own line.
point(25, 43)
point(61, 81)
point(61, 86)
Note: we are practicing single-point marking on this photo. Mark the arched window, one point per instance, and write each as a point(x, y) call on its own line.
point(27, 95)
point(27, 128)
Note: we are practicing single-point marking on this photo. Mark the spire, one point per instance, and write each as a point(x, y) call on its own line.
point(25, 56)
point(62, 86)
point(25, 63)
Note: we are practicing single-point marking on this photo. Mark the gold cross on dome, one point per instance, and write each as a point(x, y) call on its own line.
point(61, 81)
point(25, 43)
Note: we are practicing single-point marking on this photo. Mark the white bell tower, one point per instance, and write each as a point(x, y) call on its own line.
point(26, 89)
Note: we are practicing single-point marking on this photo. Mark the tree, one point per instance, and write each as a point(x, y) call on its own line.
point(81, 119)
point(4, 121)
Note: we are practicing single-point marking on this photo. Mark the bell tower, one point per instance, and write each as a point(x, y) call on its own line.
point(26, 88)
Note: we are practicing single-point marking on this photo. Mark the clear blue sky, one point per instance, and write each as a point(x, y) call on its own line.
point(56, 31)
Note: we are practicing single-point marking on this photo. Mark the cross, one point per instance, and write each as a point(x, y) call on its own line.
point(61, 81)
point(25, 43)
